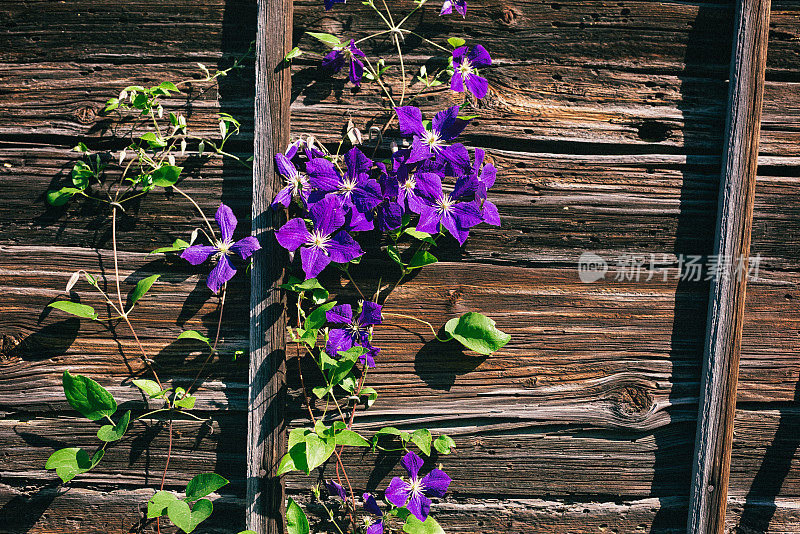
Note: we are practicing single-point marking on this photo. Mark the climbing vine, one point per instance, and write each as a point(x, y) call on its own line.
point(409, 194)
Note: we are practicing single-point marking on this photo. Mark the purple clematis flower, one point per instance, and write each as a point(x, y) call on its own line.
point(296, 184)
point(485, 177)
point(466, 61)
point(360, 193)
point(335, 489)
point(442, 208)
point(390, 211)
point(355, 331)
point(337, 57)
point(329, 4)
point(309, 146)
point(324, 243)
point(414, 494)
point(371, 506)
point(220, 251)
point(459, 5)
point(431, 143)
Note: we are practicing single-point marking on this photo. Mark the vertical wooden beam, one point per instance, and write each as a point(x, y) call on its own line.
point(266, 440)
point(711, 469)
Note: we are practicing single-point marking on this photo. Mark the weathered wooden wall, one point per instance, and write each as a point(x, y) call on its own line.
point(605, 121)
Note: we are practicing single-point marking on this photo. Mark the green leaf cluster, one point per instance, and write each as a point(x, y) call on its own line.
point(180, 513)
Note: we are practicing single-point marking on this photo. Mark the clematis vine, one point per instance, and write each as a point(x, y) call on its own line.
point(441, 208)
point(428, 144)
point(325, 242)
point(414, 494)
point(219, 252)
point(296, 184)
point(466, 60)
point(337, 58)
point(459, 5)
point(354, 330)
point(371, 525)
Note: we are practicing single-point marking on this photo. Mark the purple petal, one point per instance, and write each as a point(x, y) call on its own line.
point(354, 49)
point(220, 274)
point(413, 463)
point(245, 247)
point(334, 60)
point(397, 491)
point(457, 82)
point(335, 489)
point(466, 214)
point(480, 155)
point(329, 3)
point(450, 224)
point(340, 314)
point(429, 220)
point(356, 71)
point(428, 185)
point(435, 483)
point(375, 528)
point(226, 221)
point(313, 260)
point(293, 234)
point(419, 151)
point(328, 215)
point(371, 505)
point(477, 85)
point(488, 175)
point(323, 175)
point(197, 254)
point(368, 359)
point(285, 167)
point(338, 340)
point(367, 195)
point(390, 216)
point(419, 506)
point(479, 57)
point(343, 248)
point(357, 221)
point(370, 314)
point(461, 7)
point(357, 163)
point(490, 213)
point(283, 198)
point(465, 187)
point(457, 157)
point(459, 53)
point(410, 119)
point(444, 119)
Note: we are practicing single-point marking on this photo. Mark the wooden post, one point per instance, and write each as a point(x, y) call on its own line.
point(711, 468)
point(266, 440)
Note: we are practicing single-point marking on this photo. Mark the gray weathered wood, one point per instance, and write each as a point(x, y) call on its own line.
point(267, 382)
point(714, 438)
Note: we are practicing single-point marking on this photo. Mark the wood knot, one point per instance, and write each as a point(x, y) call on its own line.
point(8, 348)
point(86, 115)
point(631, 400)
point(453, 296)
point(508, 16)
point(653, 131)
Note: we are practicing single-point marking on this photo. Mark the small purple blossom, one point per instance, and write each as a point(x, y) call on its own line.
point(371, 506)
point(459, 5)
point(441, 208)
point(431, 143)
point(414, 493)
point(466, 61)
point(354, 331)
point(220, 251)
point(297, 185)
point(335, 489)
point(325, 243)
point(309, 146)
point(485, 177)
point(337, 57)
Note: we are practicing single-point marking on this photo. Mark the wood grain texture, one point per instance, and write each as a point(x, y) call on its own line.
point(266, 430)
point(711, 465)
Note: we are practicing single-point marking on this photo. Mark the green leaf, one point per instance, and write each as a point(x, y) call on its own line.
point(422, 236)
point(186, 402)
point(371, 395)
point(111, 105)
point(150, 388)
point(71, 462)
point(166, 175)
point(187, 519)
point(247, 532)
point(155, 141)
point(392, 431)
point(415, 526)
point(327, 38)
point(297, 452)
point(169, 86)
point(422, 439)
point(477, 332)
point(444, 443)
point(158, 503)
point(296, 520)
point(394, 255)
point(350, 438)
point(142, 286)
point(317, 318)
point(81, 173)
point(204, 484)
point(455, 42)
point(88, 397)
point(421, 259)
point(295, 52)
point(286, 465)
point(59, 197)
point(318, 450)
point(193, 334)
point(115, 432)
point(177, 246)
point(81, 310)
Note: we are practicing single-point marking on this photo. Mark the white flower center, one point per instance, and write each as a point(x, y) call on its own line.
point(319, 240)
point(410, 184)
point(224, 248)
point(298, 184)
point(466, 68)
point(445, 203)
point(433, 140)
point(347, 186)
point(354, 327)
point(416, 487)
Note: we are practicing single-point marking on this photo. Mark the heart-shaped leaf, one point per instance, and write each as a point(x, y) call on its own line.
point(415, 526)
point(187, 519)
point(158, 503)
point(353, 439)
point(88, 397)
point(71, 462)
point(443, 444)
point(477, 332)
point(115, 432)
point(296, 520)
point(166, 175)
point(422, 439)
point(203, 484)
